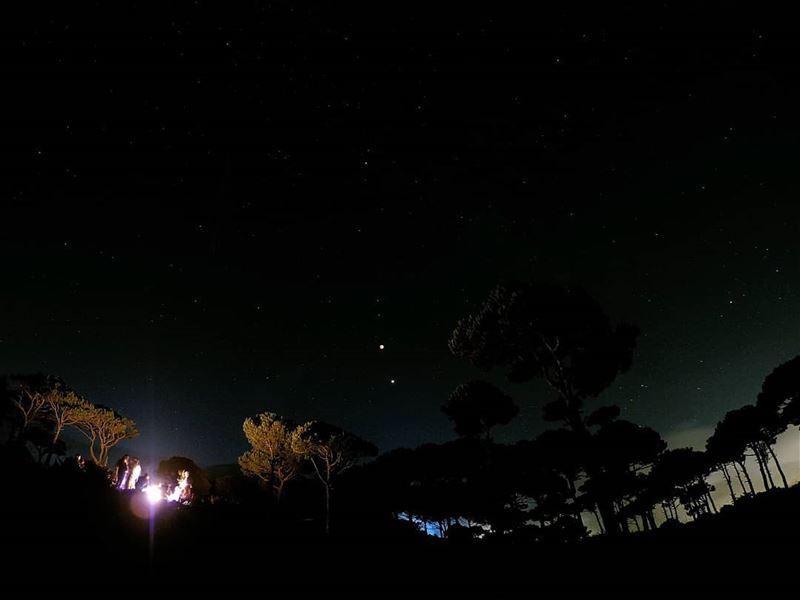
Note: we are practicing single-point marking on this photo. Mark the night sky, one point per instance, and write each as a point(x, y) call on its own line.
point(216, 209)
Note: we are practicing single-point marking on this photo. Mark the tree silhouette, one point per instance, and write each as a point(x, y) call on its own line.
point(331, 451)
point(721, 457)
point(466, 482)
point(402, 479)
point(779, 402)
point(478, 406)
point(729, 444)
point(754, 428)
point(555, 333)
point(27, 394)
point(63, 408)
point(556, 460)
point(780, 392)
point(561, 450)
point(104, 429)
point(680, 474)
point(767, 426)
point(548, 470)
point(621, 451)
point(273, 456)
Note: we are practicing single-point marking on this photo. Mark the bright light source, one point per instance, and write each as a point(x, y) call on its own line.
point(381, 347)
point(181, 485)
point(153, 493)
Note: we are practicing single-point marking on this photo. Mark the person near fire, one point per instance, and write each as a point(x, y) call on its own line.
point(120, 479)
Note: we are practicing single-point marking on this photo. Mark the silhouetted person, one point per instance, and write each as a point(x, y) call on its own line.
point(121, 472)
point(134, 472)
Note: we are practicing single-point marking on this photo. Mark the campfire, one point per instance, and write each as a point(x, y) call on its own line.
point(181, 492)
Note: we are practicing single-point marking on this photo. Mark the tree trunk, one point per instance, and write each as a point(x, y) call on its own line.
point(271, 483)
point(778, 464)
point(765, 459)
point(610, 525)
point(674, 510)
point(769, 475)
point(95, 458)
point(747, 477)
point(728, 481)
point(599, 520)
point(761, 468)
point(711, 500)
point(739, 477)
point(624, 525)
point(575, 421)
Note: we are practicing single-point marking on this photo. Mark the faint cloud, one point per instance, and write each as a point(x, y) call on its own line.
point(689, 436)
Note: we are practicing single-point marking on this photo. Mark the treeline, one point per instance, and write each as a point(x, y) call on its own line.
point(280, 449)
point(591, 465)
point(594, 462)
point(36, 409)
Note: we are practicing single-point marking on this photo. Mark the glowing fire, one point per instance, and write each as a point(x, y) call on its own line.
point(154, 494)
point(183, 481)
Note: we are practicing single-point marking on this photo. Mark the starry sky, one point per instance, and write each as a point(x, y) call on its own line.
point(211, 211)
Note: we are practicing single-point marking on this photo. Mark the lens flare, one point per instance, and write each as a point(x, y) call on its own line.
point(153, 493)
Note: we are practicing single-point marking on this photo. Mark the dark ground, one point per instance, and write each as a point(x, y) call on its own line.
point(68, 530)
